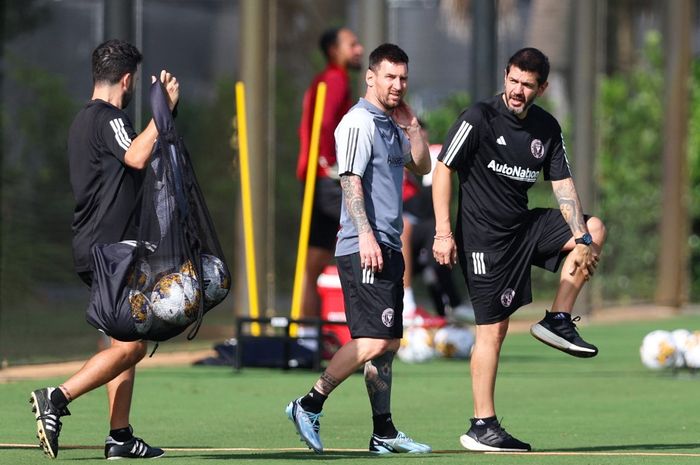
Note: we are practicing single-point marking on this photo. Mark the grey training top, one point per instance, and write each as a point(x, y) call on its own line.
point(370, 144)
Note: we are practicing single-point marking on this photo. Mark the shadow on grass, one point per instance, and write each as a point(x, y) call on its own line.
point(626, 447)
point(263, 457)
point(301, 455)
point(37, 447)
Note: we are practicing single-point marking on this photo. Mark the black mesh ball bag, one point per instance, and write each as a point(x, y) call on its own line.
point(156, 285)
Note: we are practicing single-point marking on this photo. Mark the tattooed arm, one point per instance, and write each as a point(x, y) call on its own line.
point(570, 206)
point(370, 253)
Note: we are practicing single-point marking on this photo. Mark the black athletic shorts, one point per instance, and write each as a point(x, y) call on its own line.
point(373, 302)
point(499, 280)
point(325, 216)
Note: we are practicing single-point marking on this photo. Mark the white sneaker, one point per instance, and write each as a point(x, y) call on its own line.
point(409, 301)
point(409, 311)
point(463, 313)
point(398, 445)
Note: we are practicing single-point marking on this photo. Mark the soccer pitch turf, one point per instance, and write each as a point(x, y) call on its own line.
point(605, 410)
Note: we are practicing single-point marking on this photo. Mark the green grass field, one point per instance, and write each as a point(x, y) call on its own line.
point(607, 410)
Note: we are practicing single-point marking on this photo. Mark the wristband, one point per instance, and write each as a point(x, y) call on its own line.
point(442, 238)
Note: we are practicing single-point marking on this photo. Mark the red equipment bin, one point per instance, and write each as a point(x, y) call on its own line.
point(332, 309)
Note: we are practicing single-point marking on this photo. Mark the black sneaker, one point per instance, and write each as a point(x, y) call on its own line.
point(48, 425)
point(558, 330)
point(489, 436)
point(134, 448)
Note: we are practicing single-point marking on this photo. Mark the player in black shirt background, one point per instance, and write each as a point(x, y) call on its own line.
point(106, 158)
point(498, 147)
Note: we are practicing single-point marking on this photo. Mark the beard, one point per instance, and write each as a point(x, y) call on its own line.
point(355, 65)
point(126, 98)
point(524, 108)
point(390, 104)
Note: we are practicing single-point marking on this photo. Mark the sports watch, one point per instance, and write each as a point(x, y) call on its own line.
point(586, 239)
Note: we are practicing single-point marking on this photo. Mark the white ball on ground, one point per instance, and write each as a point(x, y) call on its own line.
point(416, 345)
point(692, 351)
point(454, 342)
point(680, 339)
point(658, 351)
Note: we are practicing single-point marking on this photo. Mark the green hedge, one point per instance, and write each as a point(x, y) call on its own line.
point(630, 125)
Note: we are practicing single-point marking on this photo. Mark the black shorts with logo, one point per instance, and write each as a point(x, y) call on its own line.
point(373, 302)
point(325, 216)
point(499, 280)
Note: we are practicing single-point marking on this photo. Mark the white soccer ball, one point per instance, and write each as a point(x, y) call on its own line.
point(680, 339)
point(216, 280)
point(141, 311)
point(692, 351)
point(175, 298)
point(454, 342)
point(658, 350)
point(416, 345)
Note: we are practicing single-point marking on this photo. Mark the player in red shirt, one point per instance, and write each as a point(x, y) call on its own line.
point(343, 52)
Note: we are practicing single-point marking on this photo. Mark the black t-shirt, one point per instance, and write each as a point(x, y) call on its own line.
point(104, 187)
point(498, 158)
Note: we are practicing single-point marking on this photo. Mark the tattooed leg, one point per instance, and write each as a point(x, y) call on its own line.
point(378, 381)
point(326, 383)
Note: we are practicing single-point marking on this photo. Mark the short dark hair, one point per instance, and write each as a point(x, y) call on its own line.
point(113, 59)
point(389, 52)
point(531, 60)
point(328, 39)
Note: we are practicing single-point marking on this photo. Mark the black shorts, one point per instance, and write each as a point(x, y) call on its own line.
point(499, 280)
point(325, 216)
point(373, 303)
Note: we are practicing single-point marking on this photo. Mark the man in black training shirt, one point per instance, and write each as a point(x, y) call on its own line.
point(106, 158)
point(498, 148)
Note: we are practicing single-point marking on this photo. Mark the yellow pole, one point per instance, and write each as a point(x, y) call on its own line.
point(247, 208)
point(311, 169)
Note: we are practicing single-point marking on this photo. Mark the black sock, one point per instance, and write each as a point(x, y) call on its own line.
point(384, 426)
point(121, 434)
point(313, 401)
point(481, 422)
point(58, 399)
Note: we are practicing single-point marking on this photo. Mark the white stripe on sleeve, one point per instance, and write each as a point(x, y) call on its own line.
point(120, 134)
point(457, 142)
point(353, 134)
